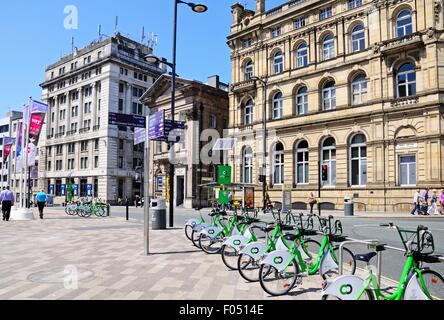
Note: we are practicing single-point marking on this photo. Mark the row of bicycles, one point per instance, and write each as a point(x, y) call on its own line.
point(86, 208)
point(280, 254)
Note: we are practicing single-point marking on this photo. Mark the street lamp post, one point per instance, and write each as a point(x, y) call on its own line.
point(264, 159)
point(198, 8)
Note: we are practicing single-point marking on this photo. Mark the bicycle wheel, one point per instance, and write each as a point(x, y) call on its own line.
point(278, 283)
point(434, 283)
point(348, 264)
point(195, 239)
point(208, 245)
point(87, 212)
point(189, 232)
point(312, 248)
point(367, 295)
point(248, 268)
point(229, 257)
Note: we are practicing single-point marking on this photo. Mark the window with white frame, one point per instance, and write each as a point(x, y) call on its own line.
point(359, 89)
point(275, 32)
point(329, 96)
point(249, 70)
point(358, 38)
point(302, 55)
point(328, 47)
point(302, 101)
point(328, 158)
point(246, 43)
point(404, 24)
point(325, 13)
point(302, 163)
point(278, 62)
point(299, 23)
point(278, 164)
point(247, 165)
point(406, 80)
point(407, 170)
point(358, 161)
point(354, 4)
point(248, 112)
point(277, 106)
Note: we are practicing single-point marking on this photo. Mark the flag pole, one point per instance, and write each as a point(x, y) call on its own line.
point(26, 155)
point(22, 138)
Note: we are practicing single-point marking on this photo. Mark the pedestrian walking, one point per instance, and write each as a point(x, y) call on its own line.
point(41, 199)
point(416, 203)
point(7, 201)
point(433, 204)
point(311, 201)
point(441, 201)
point(137, 201)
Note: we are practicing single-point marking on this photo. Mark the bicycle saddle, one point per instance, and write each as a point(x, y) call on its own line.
point(366, 257)
point(290, 237)
point(287, 228)
point(268, 228)
point(309, 233)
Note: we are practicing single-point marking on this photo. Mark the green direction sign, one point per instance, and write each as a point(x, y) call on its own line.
point(224, 197)
point(224, 175)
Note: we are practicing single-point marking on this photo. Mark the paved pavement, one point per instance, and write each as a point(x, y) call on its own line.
point(42, 260)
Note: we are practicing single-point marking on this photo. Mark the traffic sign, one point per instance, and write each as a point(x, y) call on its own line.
point(128, 120)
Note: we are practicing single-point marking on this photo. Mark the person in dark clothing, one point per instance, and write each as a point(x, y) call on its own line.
point(7, 201)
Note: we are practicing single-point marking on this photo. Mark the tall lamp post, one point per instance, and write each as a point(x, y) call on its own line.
point(198, 8)
point(264, 159)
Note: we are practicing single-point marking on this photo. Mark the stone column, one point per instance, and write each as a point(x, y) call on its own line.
point(68, 113)
point(80, 124)
point(94, 105)
point(56, 115)
point(128, 100)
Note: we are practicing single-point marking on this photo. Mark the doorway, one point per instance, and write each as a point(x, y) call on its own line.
point(180, 190)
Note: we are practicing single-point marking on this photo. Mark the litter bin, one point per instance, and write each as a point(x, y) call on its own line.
point(159, 209)
point(348, 206)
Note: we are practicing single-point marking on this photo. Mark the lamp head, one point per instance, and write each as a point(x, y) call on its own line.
point(199, 8)
point(150, 58)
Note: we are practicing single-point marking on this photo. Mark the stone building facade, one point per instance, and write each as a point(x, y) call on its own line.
point(356, 85)
point(109, 75)
point(204, 109)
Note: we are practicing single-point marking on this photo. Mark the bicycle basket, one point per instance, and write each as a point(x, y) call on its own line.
point(420, 241)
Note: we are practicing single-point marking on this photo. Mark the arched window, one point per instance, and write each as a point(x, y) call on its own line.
point(302, 101)
point(328, 47)
point(328, 158)
point(247, 165)
point(329, 96)
point(404, 23)
point(277, 105)
point(359, 89)
point(302, 163)
point(278, 62)
point(248, 112)
point(302, 55)
point(406, 80)
point(358, 38)
point(358, 161)
point(249, 72)
point(278, 164)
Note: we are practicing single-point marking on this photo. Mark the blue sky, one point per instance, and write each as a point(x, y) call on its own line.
point(33, 36)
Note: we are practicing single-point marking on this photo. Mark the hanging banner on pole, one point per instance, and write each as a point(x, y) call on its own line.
point(38, 111)
point(7, 147)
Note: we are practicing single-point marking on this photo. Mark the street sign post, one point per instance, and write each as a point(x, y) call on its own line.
point(127, 120)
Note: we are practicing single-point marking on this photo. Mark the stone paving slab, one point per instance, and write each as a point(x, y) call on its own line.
point(41, 259)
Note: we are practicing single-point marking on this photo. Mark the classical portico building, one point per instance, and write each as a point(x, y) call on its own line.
point(356, 85)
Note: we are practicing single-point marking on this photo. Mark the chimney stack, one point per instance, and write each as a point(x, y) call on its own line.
point(260, 6)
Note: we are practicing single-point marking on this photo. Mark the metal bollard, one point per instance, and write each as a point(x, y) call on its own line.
point(108, 210)
point(127, 212)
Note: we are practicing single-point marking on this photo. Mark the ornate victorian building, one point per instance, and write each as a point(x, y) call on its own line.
point(354, 85)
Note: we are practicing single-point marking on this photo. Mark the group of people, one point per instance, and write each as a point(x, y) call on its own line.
point(7, 201)
point(421, 203)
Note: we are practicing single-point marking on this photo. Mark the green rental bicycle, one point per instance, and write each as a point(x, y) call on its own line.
point(211, 238)
point(232, 245)
point(416, 282)
point(251, 255)
point(283, 270)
